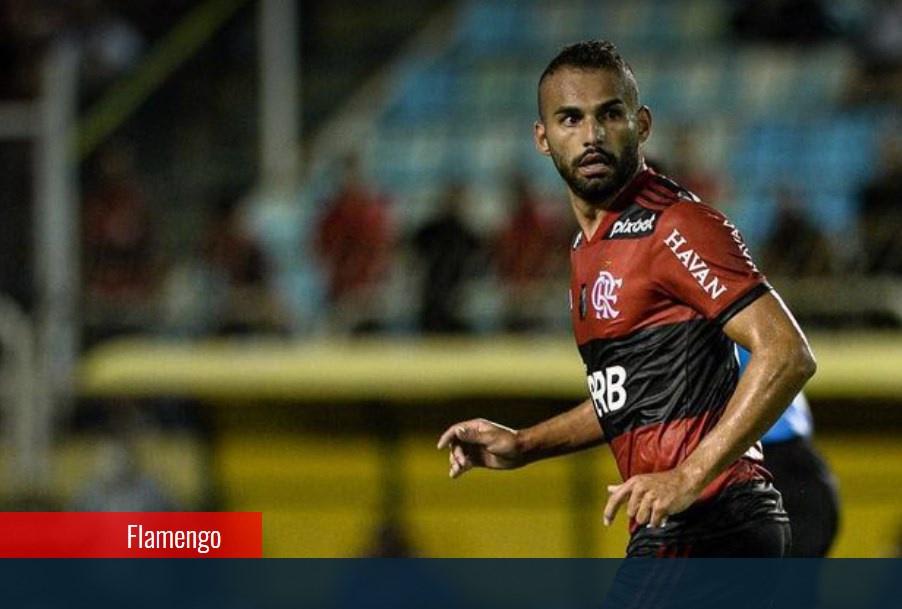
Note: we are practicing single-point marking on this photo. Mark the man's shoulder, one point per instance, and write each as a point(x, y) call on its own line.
point(691, 212)
point(680, 214)
point(685, 207)
point(674, 205)
point(659, 192)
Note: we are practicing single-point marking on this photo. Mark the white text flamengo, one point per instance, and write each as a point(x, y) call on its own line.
point(697, 267)
point(201, 541)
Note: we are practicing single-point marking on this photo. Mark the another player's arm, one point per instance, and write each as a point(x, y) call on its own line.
point(482, 443)
point(780, 364)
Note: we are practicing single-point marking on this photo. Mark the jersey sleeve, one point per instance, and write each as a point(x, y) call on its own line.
point(701, 260)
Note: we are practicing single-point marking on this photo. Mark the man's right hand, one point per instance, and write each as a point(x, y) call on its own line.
point(480, 443)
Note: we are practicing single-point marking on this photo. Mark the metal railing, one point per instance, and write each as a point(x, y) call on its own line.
point(25, 404)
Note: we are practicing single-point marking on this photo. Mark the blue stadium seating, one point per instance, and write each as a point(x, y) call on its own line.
point(771, 116)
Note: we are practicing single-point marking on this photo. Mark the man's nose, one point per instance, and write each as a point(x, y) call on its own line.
point(594, 132)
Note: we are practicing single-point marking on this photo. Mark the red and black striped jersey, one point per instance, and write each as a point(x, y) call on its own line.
point(650, 292)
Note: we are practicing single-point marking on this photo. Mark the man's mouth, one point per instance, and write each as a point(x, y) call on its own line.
point(595, 164)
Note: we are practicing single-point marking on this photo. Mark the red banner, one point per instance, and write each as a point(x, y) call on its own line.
point(131, 535)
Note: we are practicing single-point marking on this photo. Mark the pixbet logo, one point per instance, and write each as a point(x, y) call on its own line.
point(607, 389)
point(626, 227)
point(604, 295)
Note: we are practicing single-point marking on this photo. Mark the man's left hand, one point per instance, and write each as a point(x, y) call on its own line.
point(651, 498)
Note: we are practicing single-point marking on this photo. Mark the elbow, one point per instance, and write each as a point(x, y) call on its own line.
point(804, 363)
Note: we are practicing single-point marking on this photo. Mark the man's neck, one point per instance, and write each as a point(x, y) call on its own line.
point(590, 215)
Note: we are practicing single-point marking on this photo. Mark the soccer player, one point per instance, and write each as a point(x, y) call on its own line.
point(802, 477)
point(661, 288)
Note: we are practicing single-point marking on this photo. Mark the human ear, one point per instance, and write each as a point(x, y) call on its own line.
point(643, 122)
point(540, 138)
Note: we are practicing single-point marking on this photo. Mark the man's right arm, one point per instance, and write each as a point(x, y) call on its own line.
point(482, 443)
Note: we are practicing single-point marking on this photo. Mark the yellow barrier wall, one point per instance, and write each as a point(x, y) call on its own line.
point(323, 498)
point(850, 365)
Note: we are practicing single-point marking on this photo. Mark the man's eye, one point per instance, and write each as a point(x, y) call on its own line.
point(570, 120)
point(613, 114)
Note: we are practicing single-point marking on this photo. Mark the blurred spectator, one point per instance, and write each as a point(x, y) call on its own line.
point(354, 241)
point(784, 21)
point(25, 29)
point(118, 236)
point(881, 217)
point(119, 484)
point(16, 80)
point(447, 252)
point(109, 44)
point(795, 246)
point(689, 170)
point(225, 289)
point(879, 71)
point(16, 223)
point(529, 249)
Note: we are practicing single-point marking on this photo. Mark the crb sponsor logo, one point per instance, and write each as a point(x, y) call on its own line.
point(639, 225)
point(697, 267)
point(607, 390)
point(604, 295)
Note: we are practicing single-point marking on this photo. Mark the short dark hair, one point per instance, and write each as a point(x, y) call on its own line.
point(593, 54)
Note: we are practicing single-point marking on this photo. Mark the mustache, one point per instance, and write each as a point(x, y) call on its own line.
point(595, 155)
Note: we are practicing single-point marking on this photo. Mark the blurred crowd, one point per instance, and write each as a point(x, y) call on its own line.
point(200, 266)
point(226, 285)
point(111, 37)
point(362, 252)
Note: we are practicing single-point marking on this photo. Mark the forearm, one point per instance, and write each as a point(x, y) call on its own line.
point(770, 382)
point(571, 431)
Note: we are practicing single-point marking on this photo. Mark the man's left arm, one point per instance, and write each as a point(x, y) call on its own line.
point(781, 362)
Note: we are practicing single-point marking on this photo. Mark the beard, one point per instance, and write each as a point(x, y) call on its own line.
point(598, 189)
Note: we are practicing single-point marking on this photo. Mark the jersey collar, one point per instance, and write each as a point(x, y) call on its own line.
point(621, 202)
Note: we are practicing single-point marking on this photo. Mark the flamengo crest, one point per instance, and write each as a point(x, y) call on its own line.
point(604, 295)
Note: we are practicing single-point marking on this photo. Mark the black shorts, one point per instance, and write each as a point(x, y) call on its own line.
point(809, 495)
point(643, 583)
point(745, 520)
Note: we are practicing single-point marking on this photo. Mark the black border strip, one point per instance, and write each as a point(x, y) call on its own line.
point(742, 302)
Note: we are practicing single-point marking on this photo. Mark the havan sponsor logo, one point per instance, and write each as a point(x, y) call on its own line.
point(697, 267)
point(740, 243)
